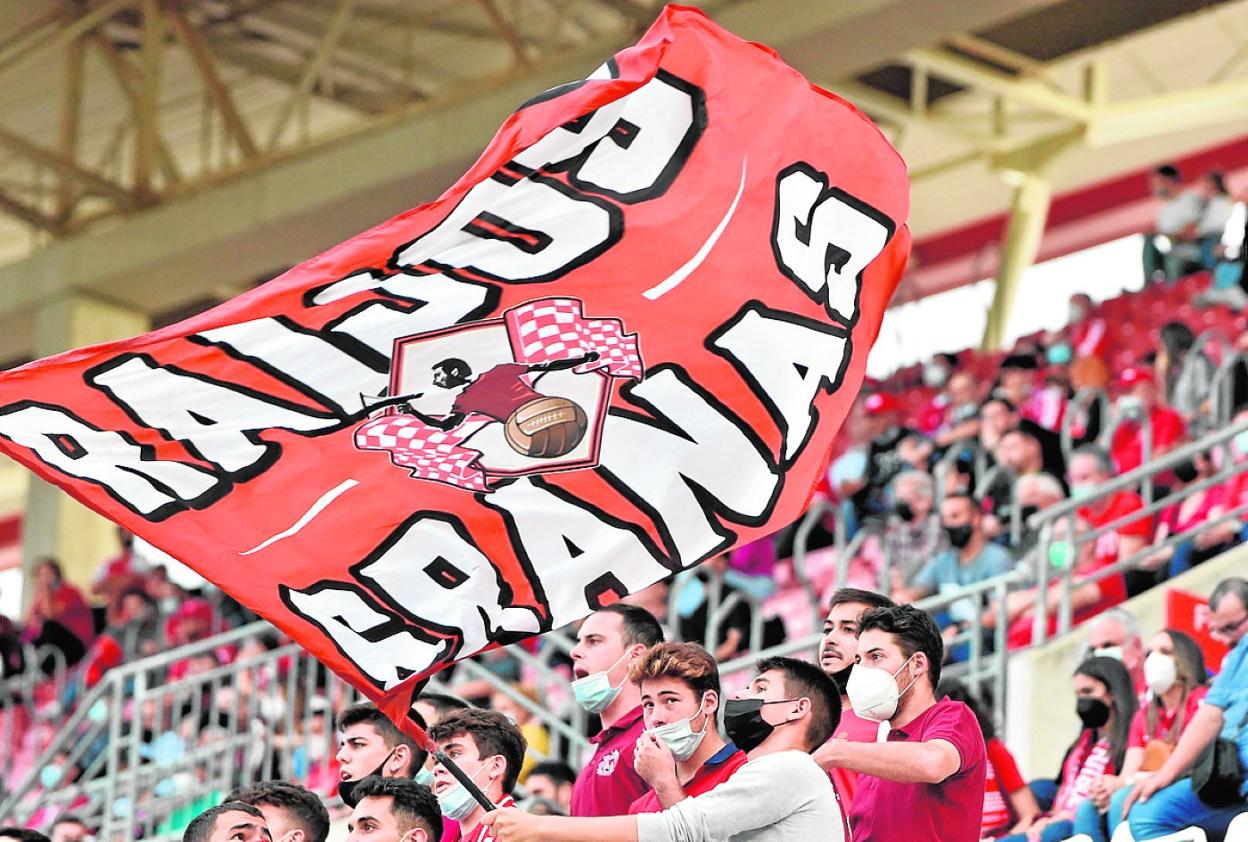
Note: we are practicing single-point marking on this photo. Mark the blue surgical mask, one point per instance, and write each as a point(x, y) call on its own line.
point(50, 775)
point(594, 692)
point(456, 802)
point(1059, 354)
point(1082, 491)
point(1240, 443)
point(1129, 404)
point(425, 777)
point(680, 738)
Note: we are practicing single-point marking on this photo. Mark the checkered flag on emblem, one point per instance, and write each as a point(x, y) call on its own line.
point(429, 453)
point(553, 329)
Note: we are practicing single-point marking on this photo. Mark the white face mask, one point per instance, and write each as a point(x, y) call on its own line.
point(1160, 672)
point(680, 738)
point(1114, 652)
point(873, 692)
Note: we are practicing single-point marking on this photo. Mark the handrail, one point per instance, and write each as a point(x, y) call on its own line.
point(801, 542)
point(1220, 387)
point(1084, 396)
point(1160, 464)
point(1135, 416)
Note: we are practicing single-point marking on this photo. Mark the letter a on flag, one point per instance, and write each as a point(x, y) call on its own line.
point(621, 344)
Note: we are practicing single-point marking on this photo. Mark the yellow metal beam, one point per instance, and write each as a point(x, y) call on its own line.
point(1185, 110)
point(130, 84)
point(1029, 211)
point(972, 74)
point(314, 70)
point(147, 117)
point(44, 157)
point(71, 119)
point(207, 67)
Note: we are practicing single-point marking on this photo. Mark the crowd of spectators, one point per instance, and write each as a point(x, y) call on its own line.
point(934, 484)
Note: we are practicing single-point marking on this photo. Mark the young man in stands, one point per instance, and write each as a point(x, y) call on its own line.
point(609, 642)
point(838, 650)
point(926, 783)
point(1090, 466)
point(489, 748)
point(971, 558)
point(779, 794)
point(1177, 219)
point(370, 744)
point(1138, 394)
point(552, 780)
point(1165, 802)
point(394, 810)
point(999, 416)
point(69, 828)
point(680, 754)
point(291, 812)
point(232, 821)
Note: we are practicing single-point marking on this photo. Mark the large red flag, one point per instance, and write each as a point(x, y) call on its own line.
point(620, 344)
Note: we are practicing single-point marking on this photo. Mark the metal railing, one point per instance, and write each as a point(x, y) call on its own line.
point(156, 740)
point(1047, 521)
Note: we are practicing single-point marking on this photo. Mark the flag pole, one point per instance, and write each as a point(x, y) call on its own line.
point(426, 742)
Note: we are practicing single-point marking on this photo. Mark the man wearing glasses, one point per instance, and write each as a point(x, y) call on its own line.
point(1165, 802)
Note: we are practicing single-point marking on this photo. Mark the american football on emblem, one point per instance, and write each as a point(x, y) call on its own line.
point(546, 428)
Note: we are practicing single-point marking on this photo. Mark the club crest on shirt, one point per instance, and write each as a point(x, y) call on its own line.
point(606, 766)
point(523, 394)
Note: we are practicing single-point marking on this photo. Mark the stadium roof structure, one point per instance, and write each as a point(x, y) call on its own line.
point(142, 139)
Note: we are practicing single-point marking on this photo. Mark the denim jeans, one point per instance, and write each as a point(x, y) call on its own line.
point(1100, 826)
point(1176, 807)
point(1055, 832)
point(1044, 790)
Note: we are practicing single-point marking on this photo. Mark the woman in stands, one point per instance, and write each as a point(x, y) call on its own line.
point(1106, 705)
point(58, 616)
point(1008, 802)
point(1183, 370)
point(1175, 672)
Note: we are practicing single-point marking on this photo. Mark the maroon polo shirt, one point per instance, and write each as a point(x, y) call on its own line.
point(950, 811)
point(609, 784)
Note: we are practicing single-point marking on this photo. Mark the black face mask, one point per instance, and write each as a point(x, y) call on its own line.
point(1186, 471)
point(1025, 512)
point(959, 536)
point(744, 723)
point(1093, 713)
point(904, 511)
point(346, 789)
point(841, 678)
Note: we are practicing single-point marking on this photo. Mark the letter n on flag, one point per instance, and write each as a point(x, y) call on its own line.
point(621, 344)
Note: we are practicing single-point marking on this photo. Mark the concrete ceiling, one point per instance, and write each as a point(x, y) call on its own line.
point(295, 124)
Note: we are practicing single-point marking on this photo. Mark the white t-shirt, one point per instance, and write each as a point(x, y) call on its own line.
point(781, 797)
point(1177, 213)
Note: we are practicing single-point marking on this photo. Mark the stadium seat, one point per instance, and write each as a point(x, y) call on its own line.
point(1238, 831)
point(1123, 834)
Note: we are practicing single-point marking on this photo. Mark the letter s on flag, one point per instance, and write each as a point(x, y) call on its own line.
point(620, 344)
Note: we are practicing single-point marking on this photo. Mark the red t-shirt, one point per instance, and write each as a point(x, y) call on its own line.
point(1002, 778)
point(854, 728)
point(717, 769)
point(1172, 515)
point(1127, 447)
point(497, 393)
point(1138, 736)
point(950, 811)
point(481, 833)
point(608, 785)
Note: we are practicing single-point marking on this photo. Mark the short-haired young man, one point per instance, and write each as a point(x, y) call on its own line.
point(291, 812)
point(489, 748)
point(69, 828)
point(927, 781)
point(609, 642)
point(370, 744)
point(680, 754)
point(838, 648)
point(837, 651)
point(552, 780)
point(779, 794)
point(232, 821)
point(394, 810)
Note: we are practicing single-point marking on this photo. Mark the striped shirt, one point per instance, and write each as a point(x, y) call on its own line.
point(1084, 766)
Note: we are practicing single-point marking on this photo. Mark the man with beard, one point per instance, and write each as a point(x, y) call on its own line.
point(837, 651)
